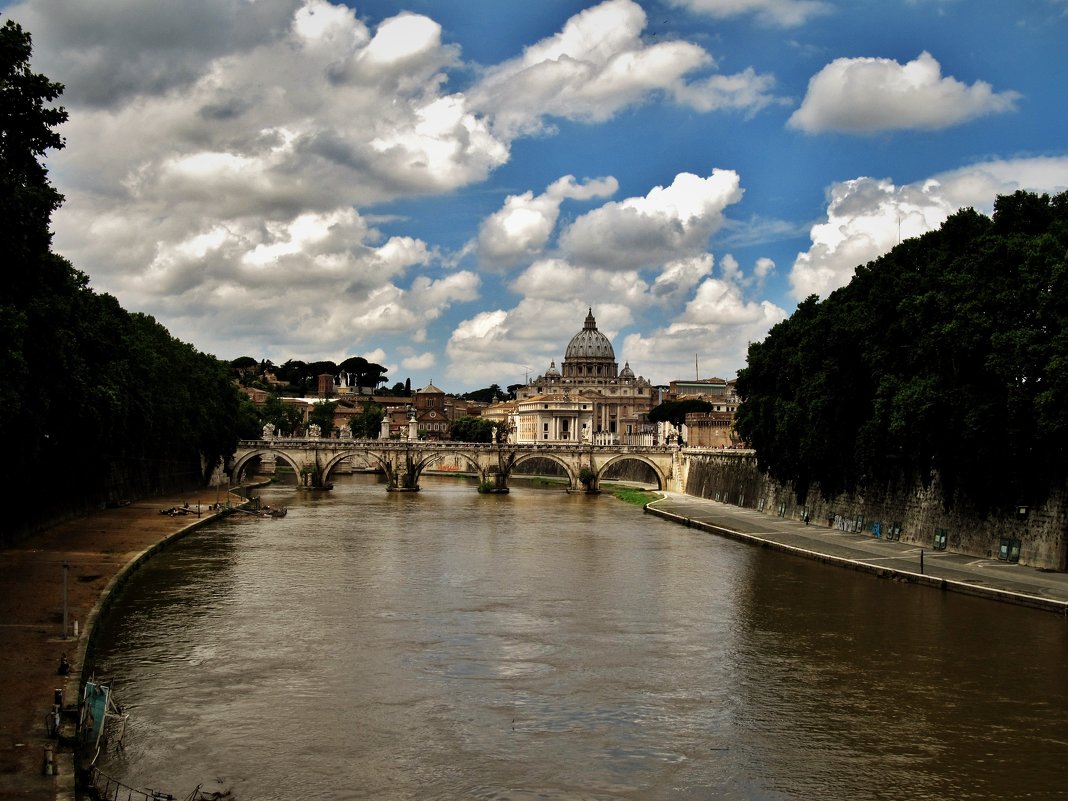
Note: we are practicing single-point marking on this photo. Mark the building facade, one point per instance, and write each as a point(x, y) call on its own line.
point(587, 399)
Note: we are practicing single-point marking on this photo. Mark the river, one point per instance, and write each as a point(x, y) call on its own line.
point(543, 645)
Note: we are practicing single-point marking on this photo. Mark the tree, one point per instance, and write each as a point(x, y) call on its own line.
point(285, 417)
point(487, 395)
point(244, 363)
point(945, 357)
point(323, 416)
point(472, 429)
point(149, 413)
point(295, 374)
point(675, 412)
point(368, 423)
point(27, 199)
point(361, 373)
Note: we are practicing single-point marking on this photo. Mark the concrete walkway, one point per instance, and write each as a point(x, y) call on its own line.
point(1013, 583)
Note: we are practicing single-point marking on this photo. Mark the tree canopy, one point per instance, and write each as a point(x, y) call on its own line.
point(947, 356)
point(368, 423)
point(675, 412)
point(486, 395)
point(80, 377)
point(472, 429)
point(361, 373)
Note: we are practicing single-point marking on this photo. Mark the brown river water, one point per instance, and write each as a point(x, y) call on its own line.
point(543, 645)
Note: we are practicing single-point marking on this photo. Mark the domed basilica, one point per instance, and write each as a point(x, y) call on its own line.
point(589, 399)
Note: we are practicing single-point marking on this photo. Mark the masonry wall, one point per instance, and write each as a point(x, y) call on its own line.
point(733, 477)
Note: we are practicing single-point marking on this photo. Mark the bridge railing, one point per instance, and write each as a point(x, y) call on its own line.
point(423, 444)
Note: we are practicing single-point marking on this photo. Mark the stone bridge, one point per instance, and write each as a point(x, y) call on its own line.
point(403, 461)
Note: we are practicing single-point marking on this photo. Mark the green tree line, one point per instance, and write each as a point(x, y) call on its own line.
point(96, 403)
point(948, 356)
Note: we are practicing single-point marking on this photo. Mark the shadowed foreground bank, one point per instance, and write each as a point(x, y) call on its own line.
point(96, 548)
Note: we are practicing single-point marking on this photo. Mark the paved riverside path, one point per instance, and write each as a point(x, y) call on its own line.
point(862, 551)
point(98, 549)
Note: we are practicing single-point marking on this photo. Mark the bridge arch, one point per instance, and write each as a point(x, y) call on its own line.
point(430, 458)
point(368, 454)
point(572, 476)
point(661, 478)
point(237, 472)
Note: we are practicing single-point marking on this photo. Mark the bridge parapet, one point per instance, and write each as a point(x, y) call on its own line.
point(402, 461)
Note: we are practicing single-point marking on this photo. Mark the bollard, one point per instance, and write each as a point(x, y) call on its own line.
point(49, 768)
point(921, 561)
point(75, 629)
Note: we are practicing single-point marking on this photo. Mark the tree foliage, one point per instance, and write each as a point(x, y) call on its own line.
point(486, 395)
point(286, 418)
point(368, 423)
point(362, 374)
point(472, 429)
point(80, 378)
point(675, 412)
point(949, 355)
point(323, 416)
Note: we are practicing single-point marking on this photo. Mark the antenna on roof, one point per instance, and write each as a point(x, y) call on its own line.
point(696, 370)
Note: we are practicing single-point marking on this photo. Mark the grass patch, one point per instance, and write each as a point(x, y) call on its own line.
point(635, 495)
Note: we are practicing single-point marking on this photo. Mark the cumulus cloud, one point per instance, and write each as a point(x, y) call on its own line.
point(715, 329)
point(714, 326)
point(419, 361)
point(867, 217)
point(782, 13)
point(678, 278)
point(520, 230)
point(865, 95)
point(668, 223)
point(714, 315)
point(109, 53)
point(599, 64)
point(209, 196)
point(218, 156)
point(513, 344)
point(658, 264)
point(746, 91)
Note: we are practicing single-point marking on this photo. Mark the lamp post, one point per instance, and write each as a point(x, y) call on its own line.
point(66, 574)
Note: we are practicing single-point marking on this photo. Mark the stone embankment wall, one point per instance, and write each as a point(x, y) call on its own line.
point(1039, 533)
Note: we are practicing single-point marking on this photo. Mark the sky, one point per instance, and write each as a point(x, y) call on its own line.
point(446, 186)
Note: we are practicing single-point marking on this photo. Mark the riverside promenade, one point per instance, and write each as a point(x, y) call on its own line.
point(82, 562)
point(902, 561)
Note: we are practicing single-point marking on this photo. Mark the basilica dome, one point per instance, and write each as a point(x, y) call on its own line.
point(589, 355)
point(589, 343)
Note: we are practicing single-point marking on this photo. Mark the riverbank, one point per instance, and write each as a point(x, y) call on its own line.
point(942, 570)
point(83, 561)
